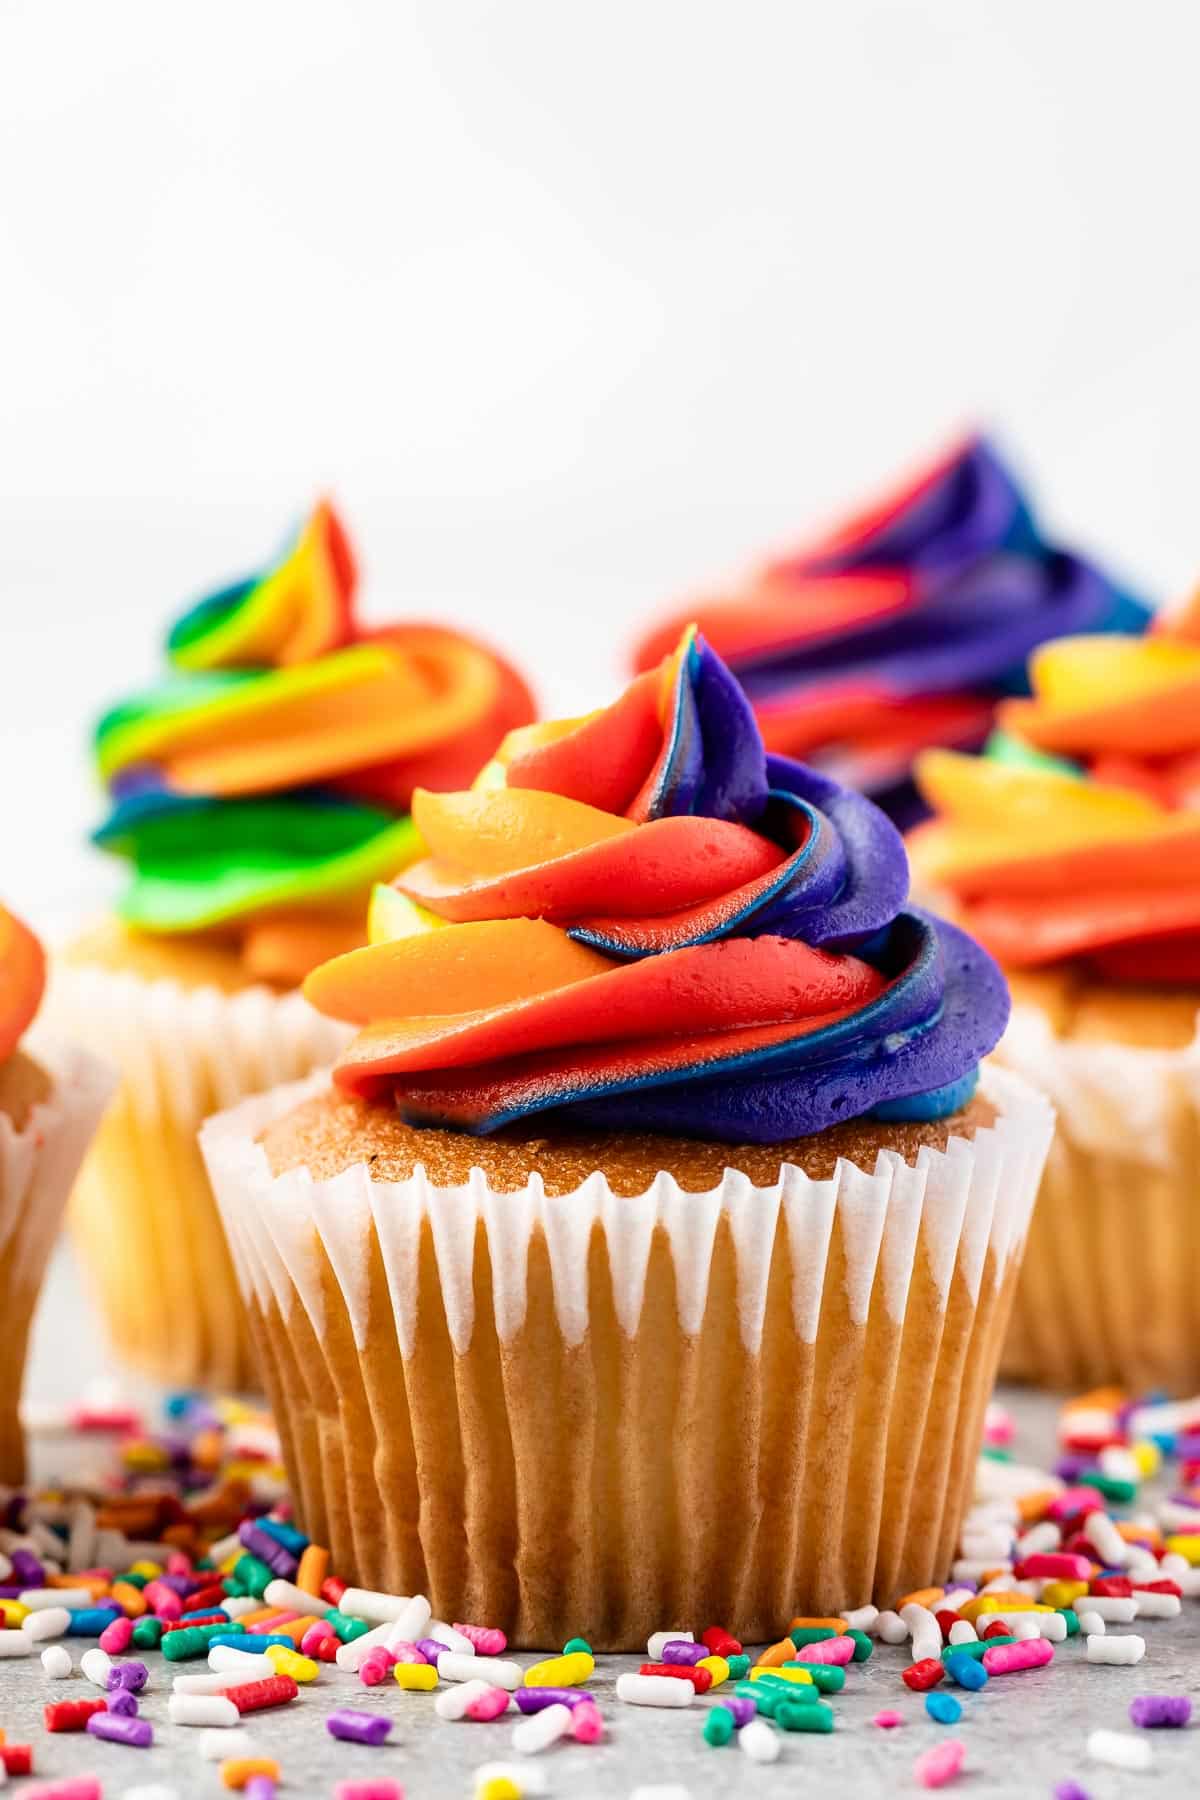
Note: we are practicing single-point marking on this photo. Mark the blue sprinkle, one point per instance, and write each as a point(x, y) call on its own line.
point(943, 1707)
point(967, 1671)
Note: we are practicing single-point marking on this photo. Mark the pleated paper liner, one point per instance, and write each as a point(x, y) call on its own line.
point(39, 1157)
point(142, 1213)
point(1110, 1290)
point(597, 1414)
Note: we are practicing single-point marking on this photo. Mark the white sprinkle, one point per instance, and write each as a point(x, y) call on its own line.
point(441, 1633)
point(1120, 1749)
point(216, 1744)
point(203, 1684)
point(1024, 1627)
point(891, 1629)
point(1107, 1541)
point(1124, 1649)
point(412, 1623)
point(963, 1632)
point(74, 1599)
point(293, 1599)
point(1118, 1609)
point(452, 1702)
point(367, 1603)
point(56, 1660)
point(1052, 1626)
point(202, 1709)
point(1156, 1606)
point(760, 1743)
point(654, 1690)
point(238, 1604)
point(54, 1622)
point(657, 1639)
point(863, 1618)
point(1091, 1624)
point(96, 1664)
point(1039, 1539)
point(353, 1655)
point(451, 1666)
point(541, 1729)
point(247, 1665)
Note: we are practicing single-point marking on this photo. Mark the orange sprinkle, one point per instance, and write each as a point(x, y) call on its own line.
point(836, 1625)
point(96, 1585)
point(263, 1613)
point(130, 1599)
point(771, 1658)
point(294, 1628)
point(236, 1771)
point(1137, 1534)
point(1032, 1506)
point(927, 1597)
point(314, 1567)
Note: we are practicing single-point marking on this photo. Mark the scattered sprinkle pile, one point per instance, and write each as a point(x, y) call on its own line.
point(182, 1564)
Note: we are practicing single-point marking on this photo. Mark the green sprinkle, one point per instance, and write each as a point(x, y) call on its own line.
point(863, 1645)
point(811, 1634)
point(1122, 1492)
point(996, 1453)
point(1071, 1616)
point(827, 1678)
point(977, 1649)
point(574, 1644)
point(131, 1580)
point(791, 1717)
point(193, 1640)
point(147, 1633)
point(718, 1726)
point(254, 1572)
point(739, 1667)
point(346, 1629)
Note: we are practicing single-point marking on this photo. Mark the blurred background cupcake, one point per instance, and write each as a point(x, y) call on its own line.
point(1072, 850)
point(659, 1168)
point(256, 795)
point(51, 1097)
point(903, 626)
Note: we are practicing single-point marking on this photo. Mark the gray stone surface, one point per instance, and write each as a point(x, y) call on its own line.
point(1023, 1734)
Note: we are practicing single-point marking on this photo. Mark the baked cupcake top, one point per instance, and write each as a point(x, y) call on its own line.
point(262, 789)
point(1078, 835)
point(642, 920)
point(22, 981)
point(902, 627)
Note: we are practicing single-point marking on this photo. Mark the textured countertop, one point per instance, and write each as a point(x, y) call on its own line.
point(1023, 1734)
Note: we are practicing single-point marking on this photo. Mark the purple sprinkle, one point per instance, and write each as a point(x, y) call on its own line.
point(1186, 1498)
point(259, 1787)
point(1160, 1709)
point(1070, 1468)
point(683, 1652)
point(356, 1727)
point(131, 1675)
point(1070, 1790)
point(115, 1730)
point(28, 1570)
point(123, 1703)
point(268, 1550)
point(178, 1584)
point(430, 1649)
point(742, 1708)
point(532, 1700)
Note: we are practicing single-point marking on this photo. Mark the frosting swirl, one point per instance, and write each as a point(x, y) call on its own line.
point(643, 919)
point(22, 980)
point(901, 628)
point(261, 789)
point(1078, 836)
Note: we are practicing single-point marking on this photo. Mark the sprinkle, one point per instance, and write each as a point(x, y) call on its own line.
point(718, 1726)
point(653, 1690)
point(924, 1674)
point(1119, 1749)
point(888, 1720)
point(57, 1662)
point(72, 1715)
point(490, 1704)
point(559, 1671)
point(1152, 1710)
point(415, 1677)
point(966, 1671)
point(238, 1771)
point(358, 1727)
point(137, 1733)
point(540, 1730)
point(759, 1742)
point(1121, 1650)
point(587, 1724)
point(1010, 1659)
point(490, 1642)
point(934, 1768)
point(202, 1709)
point(943, 1708)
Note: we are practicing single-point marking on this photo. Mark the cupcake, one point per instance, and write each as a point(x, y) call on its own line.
point(657, 1190)
point(902, 627)
point(1073, 852)
point(256, 795)
point(51, 1097)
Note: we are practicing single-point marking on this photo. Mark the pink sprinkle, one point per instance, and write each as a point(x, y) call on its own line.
point(1027, 1653)
point(178, 1563)
point(490, 1704)
point(117, 1636)
point(829, 1650)
point(405, 1653)
point(266, 1627)
point(488, 1641)
point(933, 1768)
point(375, 1668)
point(587, 1727)
point(1054, 1566)
point(163, 1601)
point(1075, 1500)
point(315, 1635)
point(887, 1721)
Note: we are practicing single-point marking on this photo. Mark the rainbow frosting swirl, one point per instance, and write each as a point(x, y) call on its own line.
point(1078, 835)
point(262, 789)
point(22, 980)
point(641, 919)
point(901, 628)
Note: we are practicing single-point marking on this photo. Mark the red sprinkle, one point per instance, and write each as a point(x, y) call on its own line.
point(72, 1715)
point(1112, 1587)
point(218, 1618)
point(946, 1619)
point(332, 1590)
point(718, 1640)
point(997, 1628)
point(1164, 1586)
point(206, 1596)
point(701, 1679)
point(920, 1676)
point(252, 1696)
point(17, 1759)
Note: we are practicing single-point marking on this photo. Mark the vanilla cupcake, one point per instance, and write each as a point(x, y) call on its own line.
point(51, 1097)
point(1073, 852)
point(656, 1196)
point(256, 795)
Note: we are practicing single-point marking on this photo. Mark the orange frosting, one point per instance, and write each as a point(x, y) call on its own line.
point(22, 980)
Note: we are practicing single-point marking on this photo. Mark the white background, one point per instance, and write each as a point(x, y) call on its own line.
point(573, 305)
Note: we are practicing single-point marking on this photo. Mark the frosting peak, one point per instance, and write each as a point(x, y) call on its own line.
point(643, 918)
point(902, 627)
point(262, 788)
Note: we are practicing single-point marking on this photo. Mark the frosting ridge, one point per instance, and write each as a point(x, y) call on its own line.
point(729, 955)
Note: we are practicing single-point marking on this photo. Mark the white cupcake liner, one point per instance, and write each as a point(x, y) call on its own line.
point(539, 1409)
point(38, 1163)
point(143, 1213)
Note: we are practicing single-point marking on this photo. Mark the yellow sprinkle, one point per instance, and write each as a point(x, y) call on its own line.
point(498, 1787)
point(290, 1662)
point(1063, 1593)
point(561, 1671)
point(415, 1677)
point(1187, 1545)
point(717, 1667)
point(1148, 1458)
point(800, 1675)
point(12, 1612)
point(151, 1570)
point(145, 1456)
